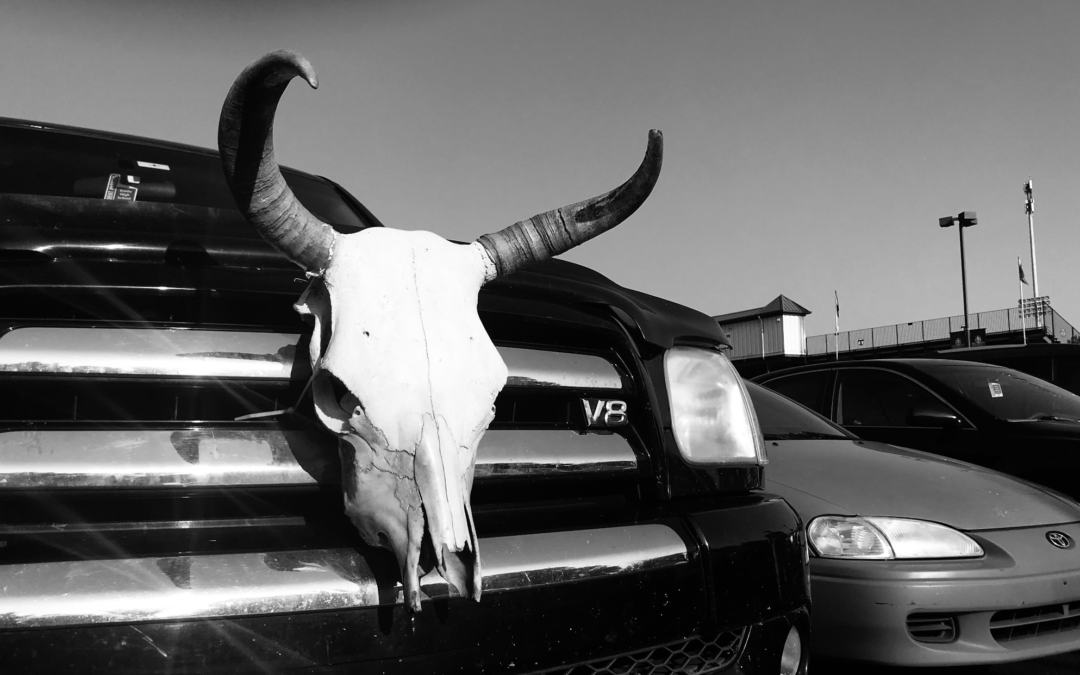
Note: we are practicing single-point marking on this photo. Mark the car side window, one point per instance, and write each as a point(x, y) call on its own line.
point(877, 398)
point(805, 388)
point(1067, 373)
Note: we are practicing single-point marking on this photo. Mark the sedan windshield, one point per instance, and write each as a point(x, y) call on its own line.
point(1011, 395)
point(781, 418)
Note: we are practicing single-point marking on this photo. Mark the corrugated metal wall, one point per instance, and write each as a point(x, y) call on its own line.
point(746, 336)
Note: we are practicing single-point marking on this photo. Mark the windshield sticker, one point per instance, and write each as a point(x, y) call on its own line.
point(122, 190)
point(995, 390)
point(152, 165)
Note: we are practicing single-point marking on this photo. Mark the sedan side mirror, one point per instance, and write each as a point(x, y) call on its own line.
point(934, 418)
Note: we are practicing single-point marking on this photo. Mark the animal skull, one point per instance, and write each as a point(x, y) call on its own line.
point(404, 372)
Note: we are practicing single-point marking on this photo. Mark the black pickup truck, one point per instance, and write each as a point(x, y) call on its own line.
point(168, 502)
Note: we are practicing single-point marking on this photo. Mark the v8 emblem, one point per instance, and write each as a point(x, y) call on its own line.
point(601, 413)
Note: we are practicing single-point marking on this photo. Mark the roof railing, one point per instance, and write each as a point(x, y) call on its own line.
point(916, 332)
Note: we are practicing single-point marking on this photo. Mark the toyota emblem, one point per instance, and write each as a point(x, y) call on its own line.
point(1059, 539)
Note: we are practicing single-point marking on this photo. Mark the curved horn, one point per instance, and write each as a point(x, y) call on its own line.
point(246, 142)
point(548, 234)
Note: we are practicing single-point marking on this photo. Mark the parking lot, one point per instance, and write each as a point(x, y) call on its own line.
point(259, 419)
point(1052, 665)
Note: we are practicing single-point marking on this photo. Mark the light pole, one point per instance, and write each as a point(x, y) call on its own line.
point(964, 219)
point(1029, 207)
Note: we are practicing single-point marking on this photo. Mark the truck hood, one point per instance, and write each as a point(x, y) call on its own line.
point(847, 477)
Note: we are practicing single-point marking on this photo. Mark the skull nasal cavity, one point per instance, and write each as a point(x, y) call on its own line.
point(345, 398)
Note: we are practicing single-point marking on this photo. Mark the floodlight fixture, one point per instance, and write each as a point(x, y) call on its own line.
point(963, 219)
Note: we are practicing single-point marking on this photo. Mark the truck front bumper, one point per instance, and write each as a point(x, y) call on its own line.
point(724, 583)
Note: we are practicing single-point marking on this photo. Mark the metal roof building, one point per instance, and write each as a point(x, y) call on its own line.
point(772, 337)
point(773, 330)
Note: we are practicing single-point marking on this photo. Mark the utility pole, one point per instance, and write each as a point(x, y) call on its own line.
point(1030, 208)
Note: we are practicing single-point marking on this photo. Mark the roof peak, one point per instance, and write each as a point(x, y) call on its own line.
point(780, 305)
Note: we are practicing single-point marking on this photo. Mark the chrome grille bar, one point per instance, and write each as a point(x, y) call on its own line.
point(188, 587)
point(236, 456)
point(147, 351)
point(240, 354)
point(535, 367)
point(505, 454)
point(152, 525)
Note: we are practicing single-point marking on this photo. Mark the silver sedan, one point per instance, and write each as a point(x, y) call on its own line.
point(917, 560)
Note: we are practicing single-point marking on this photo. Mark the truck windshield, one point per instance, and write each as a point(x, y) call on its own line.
point(1009, 394)
point(69, 165)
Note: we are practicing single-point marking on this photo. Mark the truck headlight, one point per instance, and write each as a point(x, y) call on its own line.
point(791, 657)
point(711, 414)
point(878, 538)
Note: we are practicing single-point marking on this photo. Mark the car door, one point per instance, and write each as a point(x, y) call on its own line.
point(881, 405)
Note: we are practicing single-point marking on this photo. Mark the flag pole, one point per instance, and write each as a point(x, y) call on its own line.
point(836, 335)
point(1020, 288)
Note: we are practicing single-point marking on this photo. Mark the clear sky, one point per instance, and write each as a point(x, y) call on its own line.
point(809, 146)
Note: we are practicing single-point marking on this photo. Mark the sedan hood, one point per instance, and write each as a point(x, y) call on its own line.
point(874, 479)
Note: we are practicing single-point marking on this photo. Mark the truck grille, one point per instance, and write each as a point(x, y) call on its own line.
point(115, 407)
point(121, 374)
point(1018, 624)
point(701, 655)
point(142, 480)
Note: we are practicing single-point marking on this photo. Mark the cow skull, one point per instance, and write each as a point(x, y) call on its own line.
point(404, 372)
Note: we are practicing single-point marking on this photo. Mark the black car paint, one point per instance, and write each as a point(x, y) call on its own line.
point(1057, 363)
point(1043, 452)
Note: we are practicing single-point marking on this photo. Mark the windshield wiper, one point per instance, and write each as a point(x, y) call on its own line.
point(803, 435)
point(1050, 418)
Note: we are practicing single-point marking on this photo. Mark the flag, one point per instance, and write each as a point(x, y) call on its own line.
point(837, 297)
point(1019, 264)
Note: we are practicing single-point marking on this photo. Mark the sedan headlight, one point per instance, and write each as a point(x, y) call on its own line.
point(876, 538)
point(711, 414)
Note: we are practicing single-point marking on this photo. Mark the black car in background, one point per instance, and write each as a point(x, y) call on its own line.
point(168, 502)
point(1057, 363)
point(984, 414)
